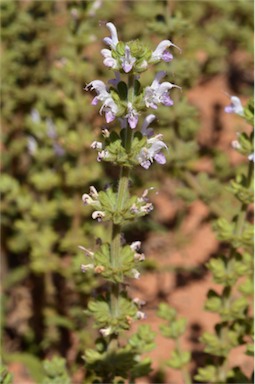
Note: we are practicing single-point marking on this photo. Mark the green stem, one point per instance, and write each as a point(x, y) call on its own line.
point(242, 215)
point(239, 226)
point(122, 196)
point(184, 370)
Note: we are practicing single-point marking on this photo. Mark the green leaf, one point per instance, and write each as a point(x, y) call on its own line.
point(174, 329)
point(143, 340)
point(166, 312)
point(179, 359)
point(56, 372)
point(123, 90)
point(208, 373)
point(5, 376)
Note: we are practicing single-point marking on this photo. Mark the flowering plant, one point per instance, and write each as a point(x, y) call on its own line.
point(233, 270)
point(114, 260)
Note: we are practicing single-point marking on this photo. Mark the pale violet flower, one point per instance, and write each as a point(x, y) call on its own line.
point(128, 60)
point(132, 115)
point(109, 61)
point(158, 93)
point(113, 40)
point(147, 121)
point(109, 107)
point(152, 152)
point(161, 52)
point(235, 106)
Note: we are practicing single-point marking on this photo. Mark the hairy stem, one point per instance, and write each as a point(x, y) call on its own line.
point(122, 196)
point(239, 226)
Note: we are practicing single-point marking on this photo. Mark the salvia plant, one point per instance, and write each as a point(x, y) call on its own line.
point(127, 143)
point(233, 270)
point(48, 162)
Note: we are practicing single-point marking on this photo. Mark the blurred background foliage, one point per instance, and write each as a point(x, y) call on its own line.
point(50, 50)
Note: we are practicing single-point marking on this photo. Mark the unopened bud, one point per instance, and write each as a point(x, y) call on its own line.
point(98, 215)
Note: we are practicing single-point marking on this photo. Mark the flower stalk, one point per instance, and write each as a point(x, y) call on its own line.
point(124, 100)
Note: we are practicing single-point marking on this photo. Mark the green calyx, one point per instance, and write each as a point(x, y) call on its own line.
point(130, 209)
point(117, 153)
point(126, 263)
point(116, 320)
point(138, 52)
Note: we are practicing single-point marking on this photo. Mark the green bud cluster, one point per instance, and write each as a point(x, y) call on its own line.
point(116, 152)
point(138, 51)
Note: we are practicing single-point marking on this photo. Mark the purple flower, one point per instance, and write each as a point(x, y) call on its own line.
point(167, 56)
point(158, 93)
point(109, 107)
point(161, 53)
point(132, 116)
point(152, 152)
point(145, 130)
point(113, 40)
point(235, 106)
point(109, 61)
point(128, 60)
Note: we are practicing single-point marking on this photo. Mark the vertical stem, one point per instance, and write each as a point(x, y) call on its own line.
point(223, 369)
point(122, 195)
point(242, 215)
point(184, 370)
